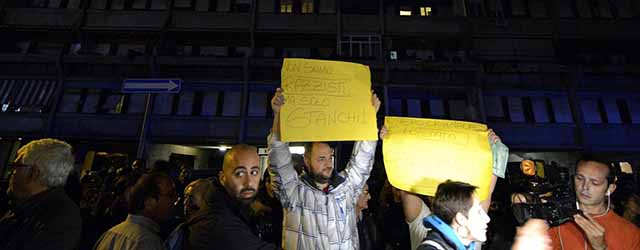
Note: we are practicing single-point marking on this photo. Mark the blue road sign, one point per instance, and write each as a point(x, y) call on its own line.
point(151, 85)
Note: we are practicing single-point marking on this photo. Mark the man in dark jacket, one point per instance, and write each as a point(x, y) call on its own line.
point(458, 220)
point(195, 208)
point(42, 216)
point(227, 223)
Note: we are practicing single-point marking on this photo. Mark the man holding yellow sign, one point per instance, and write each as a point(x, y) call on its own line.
point(324, 101)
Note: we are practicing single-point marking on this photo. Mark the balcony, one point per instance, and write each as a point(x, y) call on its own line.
point(324, 23)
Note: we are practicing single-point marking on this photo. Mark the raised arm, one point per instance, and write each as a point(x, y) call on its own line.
point(284, 177)
point(498, 170)
point(411, 206)
point(362, 157)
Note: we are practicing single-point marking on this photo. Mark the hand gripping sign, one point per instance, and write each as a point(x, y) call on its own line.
point(326, 101)
point(419, 154)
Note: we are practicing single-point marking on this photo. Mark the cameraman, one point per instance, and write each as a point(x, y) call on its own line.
point(600, 228)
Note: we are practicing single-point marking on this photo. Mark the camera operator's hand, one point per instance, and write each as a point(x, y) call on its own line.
point(532, 236)
point(593, 231)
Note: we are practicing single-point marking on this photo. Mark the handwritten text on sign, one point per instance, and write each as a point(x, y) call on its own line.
point(419, 154)
point(326, 101)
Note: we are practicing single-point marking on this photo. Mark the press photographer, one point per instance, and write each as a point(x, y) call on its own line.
point(597, 227)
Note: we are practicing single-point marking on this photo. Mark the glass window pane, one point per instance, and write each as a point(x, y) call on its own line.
point(561, 109)
point(414, 109)
point(613, 113)
point(231, 105)
point(540, 112)
point(516, 109)
point(590, 111)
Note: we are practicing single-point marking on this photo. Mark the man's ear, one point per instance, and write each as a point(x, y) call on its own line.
point(460, 219)
point(611, 189)
point(307, 161)
point(221, 178)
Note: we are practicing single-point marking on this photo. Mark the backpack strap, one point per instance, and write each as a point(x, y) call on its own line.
point(433, 244)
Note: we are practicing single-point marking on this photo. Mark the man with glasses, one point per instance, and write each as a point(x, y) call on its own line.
point(42, 216)
point(151, 203)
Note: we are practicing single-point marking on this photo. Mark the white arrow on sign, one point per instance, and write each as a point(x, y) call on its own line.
point(165, 85)
point(151, 85)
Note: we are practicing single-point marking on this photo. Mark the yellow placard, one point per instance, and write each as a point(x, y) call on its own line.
point(419, 154)
point(326, 101)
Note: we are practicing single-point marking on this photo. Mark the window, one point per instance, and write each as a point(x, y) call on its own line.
point(405, 11)
point(26, 95)
point(307, 6)
point(286, 6)
point(425, 11)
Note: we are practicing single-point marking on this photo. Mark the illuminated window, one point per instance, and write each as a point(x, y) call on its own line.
point(286, 6)
point(307, 7)
point(425, 11)
point(405, 11)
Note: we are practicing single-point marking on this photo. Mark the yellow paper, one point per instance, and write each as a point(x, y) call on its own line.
point(326, 101)
point(419, 154)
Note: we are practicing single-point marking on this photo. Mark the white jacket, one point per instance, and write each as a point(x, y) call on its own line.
point(314, 220)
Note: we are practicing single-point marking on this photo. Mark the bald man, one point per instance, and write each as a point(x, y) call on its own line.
point(227, 222)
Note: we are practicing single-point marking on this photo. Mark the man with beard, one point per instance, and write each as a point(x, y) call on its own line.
point(227, 223)
point(319, 206)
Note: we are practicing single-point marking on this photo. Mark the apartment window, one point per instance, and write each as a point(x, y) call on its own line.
point(405, 12)
point(425, 11)
point(307, 6)
point(286, 6)
point(26, 95)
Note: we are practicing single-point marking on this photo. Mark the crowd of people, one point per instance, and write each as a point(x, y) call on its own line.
point(295, 204)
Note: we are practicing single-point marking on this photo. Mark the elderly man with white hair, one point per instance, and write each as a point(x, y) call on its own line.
point(42, 216)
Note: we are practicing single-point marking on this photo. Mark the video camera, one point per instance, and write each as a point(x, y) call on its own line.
point(551, 197)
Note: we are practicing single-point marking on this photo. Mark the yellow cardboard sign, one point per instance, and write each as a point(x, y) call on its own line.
point(419, 154)
point(326, 101)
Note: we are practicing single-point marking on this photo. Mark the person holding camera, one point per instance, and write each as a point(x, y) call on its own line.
point(597, 227)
